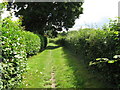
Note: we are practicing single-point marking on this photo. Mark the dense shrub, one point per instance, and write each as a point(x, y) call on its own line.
point(110, 69)
point(60, 40)
point(1, 7)
point(44, 42)
point(33, 43)
point(92, 43)
point(114, 25)
point(13, 53)
point(16, 46)
point(96, 43)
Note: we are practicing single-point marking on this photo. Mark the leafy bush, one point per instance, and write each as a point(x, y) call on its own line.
point(44, 42)
point(2, 6)
point(114, 25)
point(60, 39)
point(1, 83)
point(13, 53)
point(33, 43)
point(110, 69)
point(97, 43)
point(92, 43)
point(16, 46)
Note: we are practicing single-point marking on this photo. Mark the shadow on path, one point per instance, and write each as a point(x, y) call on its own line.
point(52, 47)
point(83, 76)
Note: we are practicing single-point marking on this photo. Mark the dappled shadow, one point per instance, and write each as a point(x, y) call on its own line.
point(52, 47)
point(83, 76)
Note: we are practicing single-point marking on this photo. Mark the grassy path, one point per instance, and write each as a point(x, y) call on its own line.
point(56, 67)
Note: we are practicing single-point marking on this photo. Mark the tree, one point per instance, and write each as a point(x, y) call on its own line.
point(40, 17)
point(2, 7)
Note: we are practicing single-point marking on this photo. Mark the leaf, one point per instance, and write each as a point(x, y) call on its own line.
point(111, 61)
point(116, 56)
point(98, 59)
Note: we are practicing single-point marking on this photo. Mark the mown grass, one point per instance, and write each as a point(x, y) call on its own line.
point(38, 71)
point(82, 73)
point(69, 71)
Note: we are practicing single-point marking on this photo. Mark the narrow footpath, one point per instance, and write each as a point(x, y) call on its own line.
point(57, 67)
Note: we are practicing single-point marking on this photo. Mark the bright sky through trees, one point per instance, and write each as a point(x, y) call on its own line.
point(96, 12)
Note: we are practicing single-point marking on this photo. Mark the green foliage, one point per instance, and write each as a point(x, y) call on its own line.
point(110, 68)
point(13, 53)
point(2, 6)
point(90, 43)
point(16, 46)
point(44, 42)
point(33, 43)
point(114, 25)
point(95, 43)
point(51, 33)
point(41, 16)
point(60, 40)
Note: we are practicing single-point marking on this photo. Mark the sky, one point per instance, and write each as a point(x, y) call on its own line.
point(96, 13)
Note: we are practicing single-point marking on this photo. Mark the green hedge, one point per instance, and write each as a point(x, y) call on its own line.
point(13, 53)
point(16, 46)
point(44, 42)
point(33, 43)
point(108, 68)
point(91, 44)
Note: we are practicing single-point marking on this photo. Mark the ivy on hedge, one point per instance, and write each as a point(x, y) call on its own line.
point(17, 44)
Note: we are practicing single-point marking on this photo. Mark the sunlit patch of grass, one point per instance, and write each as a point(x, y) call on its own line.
point(38, 73)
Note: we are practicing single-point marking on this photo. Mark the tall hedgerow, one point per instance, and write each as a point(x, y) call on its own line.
point(33, 43)
point(17, 44)
point(92, 43)
point(13, 53)
point(1, 10)
point(44, 42)
point(100, 48)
